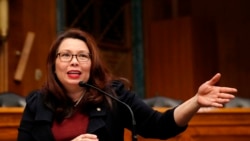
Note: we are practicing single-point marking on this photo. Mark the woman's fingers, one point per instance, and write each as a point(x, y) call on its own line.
point(91, 136)
point(86, 137)
point(214, 79)
point(227, 90)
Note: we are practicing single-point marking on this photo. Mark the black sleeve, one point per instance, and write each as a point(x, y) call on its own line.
point(27, 121)
point(149, 123)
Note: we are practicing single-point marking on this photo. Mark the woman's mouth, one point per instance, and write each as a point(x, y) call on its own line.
point(74, 74)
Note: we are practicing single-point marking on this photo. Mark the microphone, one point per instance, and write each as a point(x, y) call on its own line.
point(134, 136)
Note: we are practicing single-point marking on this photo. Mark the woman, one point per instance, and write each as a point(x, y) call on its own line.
point(63, 111)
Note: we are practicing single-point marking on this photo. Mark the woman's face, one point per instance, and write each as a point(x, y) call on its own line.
point(71, 70)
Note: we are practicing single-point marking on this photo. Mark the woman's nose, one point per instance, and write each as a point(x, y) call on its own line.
point(74, 60)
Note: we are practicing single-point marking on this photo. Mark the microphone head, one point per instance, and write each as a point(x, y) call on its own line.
point(82, 84)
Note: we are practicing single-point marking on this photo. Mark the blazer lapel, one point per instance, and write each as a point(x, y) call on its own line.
point(43, 120)
point(96, 119)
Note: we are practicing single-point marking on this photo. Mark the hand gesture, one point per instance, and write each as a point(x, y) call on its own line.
point(209, 95)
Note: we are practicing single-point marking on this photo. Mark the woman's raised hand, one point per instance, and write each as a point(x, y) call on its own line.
point(209, 95)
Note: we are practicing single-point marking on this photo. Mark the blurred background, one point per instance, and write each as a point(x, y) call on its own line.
point(164, 47)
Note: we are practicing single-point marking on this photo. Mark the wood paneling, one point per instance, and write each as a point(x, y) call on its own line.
point(3, 67)
point(175, 60)
point(30, 16)
point(233, 47)
point(218, 42)
point(231, 19)
point(179, 54)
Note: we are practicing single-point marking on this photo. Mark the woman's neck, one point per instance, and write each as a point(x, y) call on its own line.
point(75, 95)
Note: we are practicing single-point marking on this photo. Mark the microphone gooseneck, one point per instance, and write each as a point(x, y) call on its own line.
point(134, 136)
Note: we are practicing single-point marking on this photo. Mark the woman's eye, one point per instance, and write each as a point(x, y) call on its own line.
point(83, 55)
point(65, 54)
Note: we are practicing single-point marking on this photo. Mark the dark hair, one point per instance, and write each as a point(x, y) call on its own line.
point(55, 94)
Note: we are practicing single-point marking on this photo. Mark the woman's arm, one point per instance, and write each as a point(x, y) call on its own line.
point(208, 95)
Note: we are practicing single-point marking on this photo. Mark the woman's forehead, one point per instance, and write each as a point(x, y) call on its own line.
point(71, 44)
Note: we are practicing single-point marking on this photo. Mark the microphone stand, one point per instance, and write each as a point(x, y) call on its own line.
point(134, 136)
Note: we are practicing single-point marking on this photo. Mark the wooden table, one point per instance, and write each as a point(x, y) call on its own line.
point(9, 121)
point(226, 124)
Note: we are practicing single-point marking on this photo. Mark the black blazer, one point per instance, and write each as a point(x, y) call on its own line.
point(107, 124)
